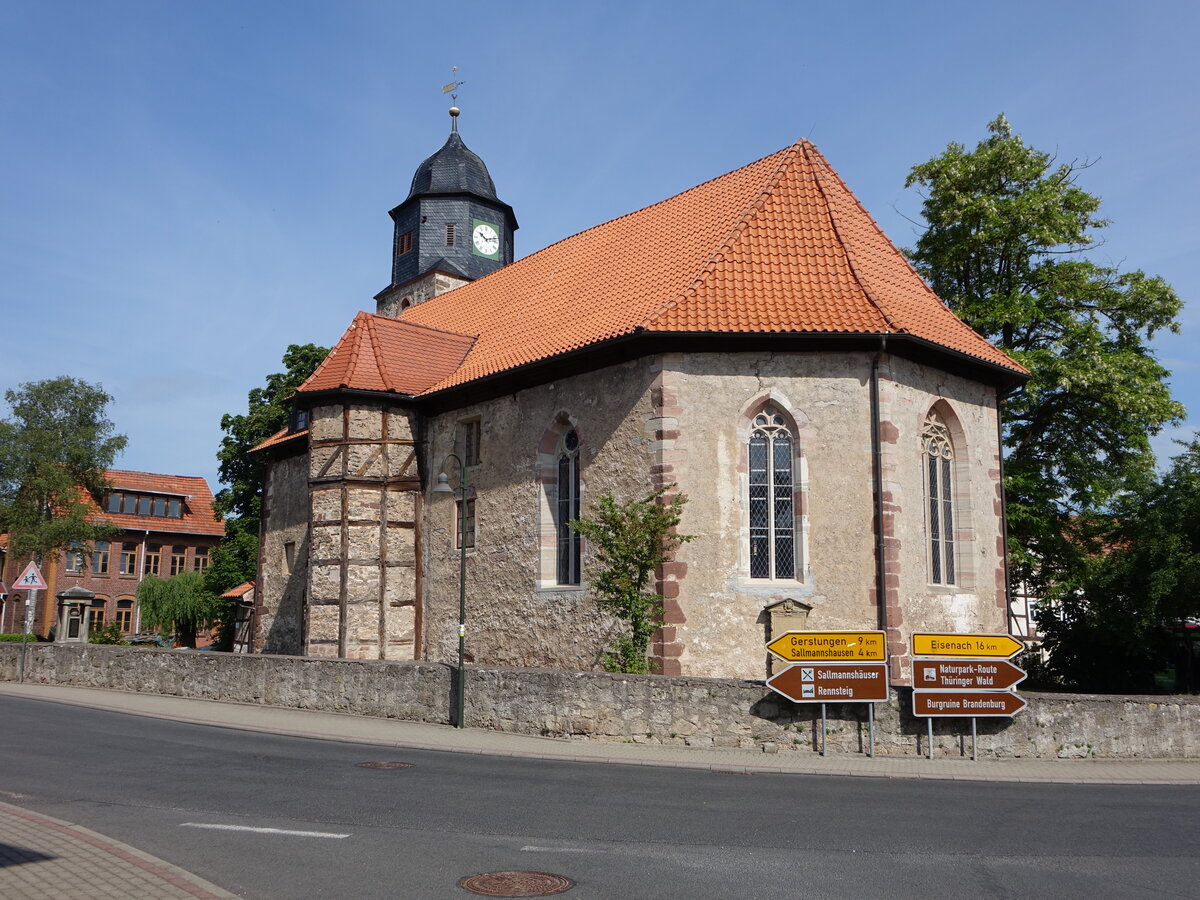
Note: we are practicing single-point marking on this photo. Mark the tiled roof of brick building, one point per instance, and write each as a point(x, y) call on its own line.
point(198, 516)
point(778, 246)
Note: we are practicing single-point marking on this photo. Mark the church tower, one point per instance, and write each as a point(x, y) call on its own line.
point(451, 229)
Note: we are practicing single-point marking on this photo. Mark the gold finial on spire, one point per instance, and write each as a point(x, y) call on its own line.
point(452, 90)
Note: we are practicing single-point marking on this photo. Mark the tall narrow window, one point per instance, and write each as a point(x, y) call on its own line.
point(200, 559)
point(178, 557)
point(568, 509)
point(938, 455)
point(95, 618)
point(125, 616)
point(100, 558)
point(451, 234)
point(129, 551)
point(153, 559)
point(74, 557)
point(772, 498)
point(469, 540)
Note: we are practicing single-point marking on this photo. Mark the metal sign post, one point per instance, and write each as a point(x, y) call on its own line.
point(26, 630)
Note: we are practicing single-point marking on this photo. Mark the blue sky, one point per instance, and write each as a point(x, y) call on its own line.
point(187, 188)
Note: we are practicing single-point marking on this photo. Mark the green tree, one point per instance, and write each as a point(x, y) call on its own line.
point(179, 604)
point(243, 472)
point(1005, 247)
point(628, 541)
point(54, 451)
point(1126, 622)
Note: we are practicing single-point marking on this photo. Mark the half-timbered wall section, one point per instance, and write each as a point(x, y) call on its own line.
point(365, 506)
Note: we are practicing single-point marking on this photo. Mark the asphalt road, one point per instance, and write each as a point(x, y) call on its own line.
point(186, 794)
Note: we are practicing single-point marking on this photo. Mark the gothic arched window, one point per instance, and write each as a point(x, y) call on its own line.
point(567, 508)
point(937, 452)
point(772, 498)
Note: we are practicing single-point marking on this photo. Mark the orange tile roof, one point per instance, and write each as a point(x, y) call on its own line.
point(280, 437)
point(381, 354)
point(198, 516)
point(238, 592)
point(778, 246)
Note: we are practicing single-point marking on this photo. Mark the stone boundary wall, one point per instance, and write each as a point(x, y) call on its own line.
point(703, 712)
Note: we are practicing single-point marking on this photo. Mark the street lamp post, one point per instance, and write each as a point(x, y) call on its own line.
point(443, 487)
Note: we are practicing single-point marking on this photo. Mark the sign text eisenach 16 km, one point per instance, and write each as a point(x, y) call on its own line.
point(995, 646)
point(830, 646)
point(965, 674)
point(832, 682)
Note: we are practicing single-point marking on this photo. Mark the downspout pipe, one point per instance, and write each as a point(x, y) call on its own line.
point(1009, 617)
point(877, 476)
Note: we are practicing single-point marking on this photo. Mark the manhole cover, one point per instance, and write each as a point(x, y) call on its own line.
point(516, 884)
point(385, 765)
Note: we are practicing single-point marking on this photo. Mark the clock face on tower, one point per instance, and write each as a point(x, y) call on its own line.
point(485, 239)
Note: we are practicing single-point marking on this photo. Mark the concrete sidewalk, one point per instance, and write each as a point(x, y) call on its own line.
point(42, 858)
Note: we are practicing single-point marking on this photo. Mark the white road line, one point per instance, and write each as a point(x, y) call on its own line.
point(532, 849)
point(316, 834)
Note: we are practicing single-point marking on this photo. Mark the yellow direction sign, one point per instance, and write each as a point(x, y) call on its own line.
point(996, 646)
point(830, 646)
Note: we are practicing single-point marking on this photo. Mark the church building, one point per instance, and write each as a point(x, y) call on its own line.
point(755, 341)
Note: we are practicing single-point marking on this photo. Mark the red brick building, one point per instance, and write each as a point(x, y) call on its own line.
point(167, 526)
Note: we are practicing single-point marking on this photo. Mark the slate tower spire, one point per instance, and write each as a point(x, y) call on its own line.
point(451, 229)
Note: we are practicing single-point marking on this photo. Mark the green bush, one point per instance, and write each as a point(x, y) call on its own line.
point(17, 638)
point(107, 634)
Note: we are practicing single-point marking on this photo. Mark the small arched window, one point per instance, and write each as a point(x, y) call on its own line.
point(567, 508)
point(772, 498)
point(937, 451)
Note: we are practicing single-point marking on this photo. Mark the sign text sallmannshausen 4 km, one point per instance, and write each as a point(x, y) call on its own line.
point(830, 646)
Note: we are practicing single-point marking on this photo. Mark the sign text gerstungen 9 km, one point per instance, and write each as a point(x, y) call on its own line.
point(830, 646)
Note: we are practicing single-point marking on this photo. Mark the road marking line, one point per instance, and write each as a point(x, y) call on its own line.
point(317, 834)
point(533, 849)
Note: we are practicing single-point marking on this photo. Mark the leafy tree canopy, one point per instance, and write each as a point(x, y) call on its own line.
point(54, 451)
point(1126, 621)
point(628, 541)
point(243, 472)
point(180, 604)
point(1005, 247)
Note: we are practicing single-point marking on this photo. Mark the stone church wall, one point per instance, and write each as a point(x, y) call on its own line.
point(516, 615)
point(686, 418)
point(283, 556)
point(720, 619)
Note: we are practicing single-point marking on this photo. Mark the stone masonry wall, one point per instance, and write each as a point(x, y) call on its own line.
point(702, 712)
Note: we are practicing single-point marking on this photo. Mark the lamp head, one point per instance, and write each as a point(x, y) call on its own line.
point(443, 484)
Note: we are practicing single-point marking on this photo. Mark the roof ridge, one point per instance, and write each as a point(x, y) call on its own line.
point(742, 222)
point(152, 474)
point(380, 367)
point(850, 257)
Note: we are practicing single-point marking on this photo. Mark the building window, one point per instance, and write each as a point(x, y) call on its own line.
point(470, 524)
point(405, 243)
point(100, 558)
point(74, 557)
point(153, 559)
point(95, 619)
point(938, 455)
point(200, 560)
point(124, 618)
point(567, 508)
point(178, 558)
point(289, 557)
point(772, 498)
point(132, 504)
point(470, 442)
point(128, 558)
point(451, 234)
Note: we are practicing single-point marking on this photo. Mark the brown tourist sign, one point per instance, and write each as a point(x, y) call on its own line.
point(832, 682)
point(966, 703)
point(965, 674)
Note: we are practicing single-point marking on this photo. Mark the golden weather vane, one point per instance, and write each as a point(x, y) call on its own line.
point(452, 90)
